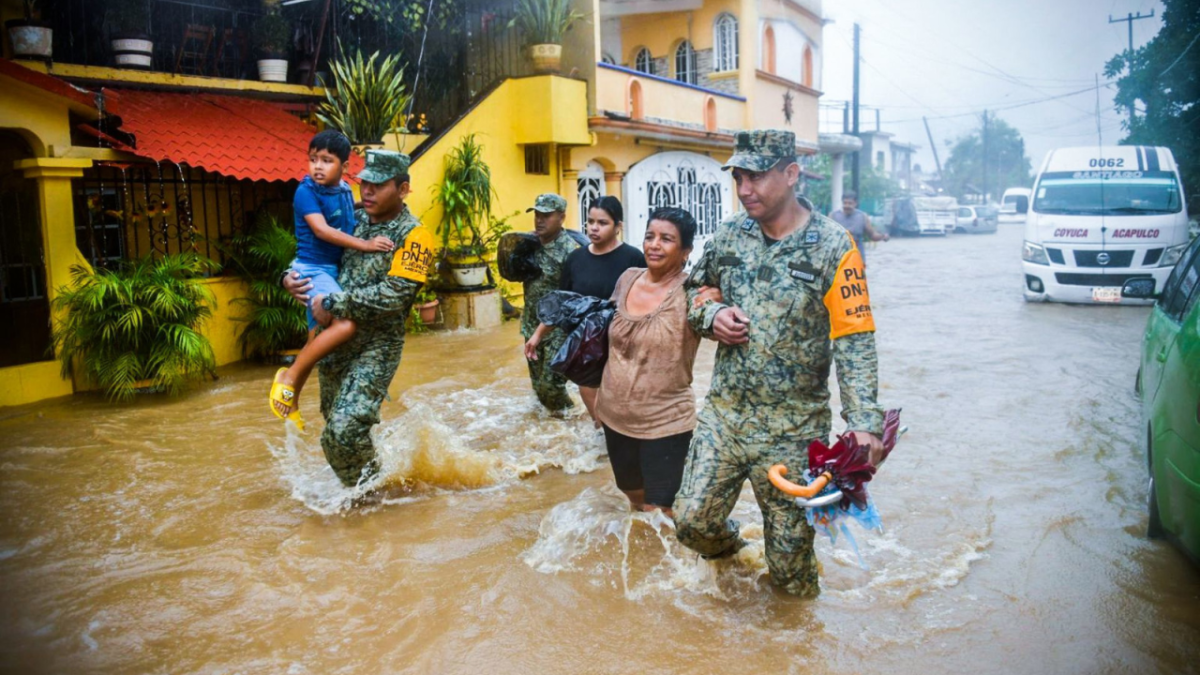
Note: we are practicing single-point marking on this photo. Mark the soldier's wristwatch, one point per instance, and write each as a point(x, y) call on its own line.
point(327, 303)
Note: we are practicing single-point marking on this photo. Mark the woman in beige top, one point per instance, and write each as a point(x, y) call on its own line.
point(645, 400)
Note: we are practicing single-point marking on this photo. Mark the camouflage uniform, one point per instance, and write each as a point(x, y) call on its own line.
point(550, 387)
point(378, 290)
point(807, 303)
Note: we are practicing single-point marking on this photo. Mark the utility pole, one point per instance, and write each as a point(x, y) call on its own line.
point(985, 156)
point(1129, 19)
point(933, 147)
point(854, 168)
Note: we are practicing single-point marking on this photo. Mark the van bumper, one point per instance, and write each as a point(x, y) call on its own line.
point(1055, 283)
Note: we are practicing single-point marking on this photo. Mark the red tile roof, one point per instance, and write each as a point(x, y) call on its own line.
point(239, 137)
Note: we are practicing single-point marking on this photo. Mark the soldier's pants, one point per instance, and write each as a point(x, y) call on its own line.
point(550, 387)
point(718, 464)
point(351, 392)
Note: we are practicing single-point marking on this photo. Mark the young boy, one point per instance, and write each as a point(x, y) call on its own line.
point(324, 212)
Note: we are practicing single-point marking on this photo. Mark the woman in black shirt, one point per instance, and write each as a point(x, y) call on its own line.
point(594, 269)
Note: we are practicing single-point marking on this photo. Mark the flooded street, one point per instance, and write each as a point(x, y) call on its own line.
point(194, 536)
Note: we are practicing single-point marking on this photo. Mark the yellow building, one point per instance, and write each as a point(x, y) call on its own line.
point(96, 165)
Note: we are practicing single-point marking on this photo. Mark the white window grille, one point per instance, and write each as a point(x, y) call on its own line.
point(643, 62)
point(700, 197)
point(725, 42)
point(590, 188)
point(685, 63)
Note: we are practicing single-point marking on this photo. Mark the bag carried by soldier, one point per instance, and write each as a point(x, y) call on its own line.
point(583, 354)
point(515, 256)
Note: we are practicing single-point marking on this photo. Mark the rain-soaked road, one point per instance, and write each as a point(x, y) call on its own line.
point(191, 536)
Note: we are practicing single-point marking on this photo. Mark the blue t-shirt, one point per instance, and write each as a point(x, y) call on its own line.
point(336, 204)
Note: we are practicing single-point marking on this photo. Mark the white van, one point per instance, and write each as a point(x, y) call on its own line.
point(1099, 217)
point(1014, 205)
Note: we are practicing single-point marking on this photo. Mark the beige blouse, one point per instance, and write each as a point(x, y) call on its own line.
point(646, 391)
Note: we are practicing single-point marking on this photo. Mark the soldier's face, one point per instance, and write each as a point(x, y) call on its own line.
point(547, 225)
point(663, 247)
point(765, 193)
point(382, 201)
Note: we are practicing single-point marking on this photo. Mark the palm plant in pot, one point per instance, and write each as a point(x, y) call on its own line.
point(274, 323)
point(131, 43)
point(137, 325)
point(367, 97)
point(31, 38)
point(465, 197)
point(543, 23)
point(272, 33)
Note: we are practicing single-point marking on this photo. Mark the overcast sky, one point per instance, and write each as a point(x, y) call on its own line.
point(950, 59)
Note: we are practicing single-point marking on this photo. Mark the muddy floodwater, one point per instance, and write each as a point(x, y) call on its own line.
point(195, 535)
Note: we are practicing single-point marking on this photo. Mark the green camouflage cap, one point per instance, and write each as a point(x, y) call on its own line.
point(761, 149)
point(384, 165)
point(548, 203)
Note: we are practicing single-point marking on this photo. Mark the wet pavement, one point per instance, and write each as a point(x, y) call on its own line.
point(194, 536)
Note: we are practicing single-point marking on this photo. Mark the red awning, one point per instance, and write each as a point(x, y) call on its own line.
point(238, 137)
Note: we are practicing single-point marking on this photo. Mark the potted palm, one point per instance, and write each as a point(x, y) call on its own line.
point(367, 98)
point(271, 36)
point(274, 323)
point(31, 38)
point(465, 197)
point(137, 324)
point(132, 46)
point(543, 23)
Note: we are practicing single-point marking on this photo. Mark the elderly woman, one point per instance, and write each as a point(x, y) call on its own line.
point(645, 400)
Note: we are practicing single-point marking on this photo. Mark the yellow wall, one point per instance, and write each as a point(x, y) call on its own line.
point(769, 113)
point(221, 329)
point(665, 101)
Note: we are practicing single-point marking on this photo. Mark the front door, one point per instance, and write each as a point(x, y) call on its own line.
point(686, 180)
point(24, 305)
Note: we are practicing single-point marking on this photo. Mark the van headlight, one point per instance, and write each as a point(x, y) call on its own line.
point(1032, 253)
point(1172, 255)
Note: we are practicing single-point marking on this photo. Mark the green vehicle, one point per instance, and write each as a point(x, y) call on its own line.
point(1169, 384)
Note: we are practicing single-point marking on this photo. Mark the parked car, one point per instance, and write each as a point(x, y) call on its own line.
point(919, 215)
point(976, 219)
point(1014, 205)
point(1169, 384)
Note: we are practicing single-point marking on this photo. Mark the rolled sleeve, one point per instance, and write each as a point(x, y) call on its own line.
point(858, 380)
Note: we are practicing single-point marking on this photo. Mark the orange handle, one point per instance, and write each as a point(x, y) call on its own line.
point(776, 473)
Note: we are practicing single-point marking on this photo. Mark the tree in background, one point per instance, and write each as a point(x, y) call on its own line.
point(874, 186)
point(1007, 165)
point(1164, 75)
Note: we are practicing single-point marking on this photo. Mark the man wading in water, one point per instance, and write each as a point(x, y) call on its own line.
point(378, 291)
point(794, 298)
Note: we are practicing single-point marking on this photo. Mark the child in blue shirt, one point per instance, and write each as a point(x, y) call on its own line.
point(324, 213)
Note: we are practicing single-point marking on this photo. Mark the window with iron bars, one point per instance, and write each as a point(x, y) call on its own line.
point(725, 42)
point(537, 159)
point(685, 63)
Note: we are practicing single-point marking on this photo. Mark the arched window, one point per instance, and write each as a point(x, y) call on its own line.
point(808, 67)
point(635, 100)
point(710, 115)
point(643, 62)
point(768, 49)
point(725, 43)
point(685, 63)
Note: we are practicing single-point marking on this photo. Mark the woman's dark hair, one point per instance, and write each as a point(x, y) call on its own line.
point(681, 219)
point(610, 205)
point(333, 141)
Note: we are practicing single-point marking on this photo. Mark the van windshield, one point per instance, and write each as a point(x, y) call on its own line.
point(1108, 193)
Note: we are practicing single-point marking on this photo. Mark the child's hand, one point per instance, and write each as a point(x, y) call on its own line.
point(378, 244)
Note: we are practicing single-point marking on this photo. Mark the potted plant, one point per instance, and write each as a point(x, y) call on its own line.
point(272, 33)
point(31, 37)
point(132, 46)
point(367, 97)
point(426, 304)
point(465, 197)
point(274, 323)
point(137, 323)
point(543, 23)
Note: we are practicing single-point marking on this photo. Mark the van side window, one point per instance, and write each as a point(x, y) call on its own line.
point(1182, 284)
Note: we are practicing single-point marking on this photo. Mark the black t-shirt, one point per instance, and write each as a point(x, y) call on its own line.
point(586, 273)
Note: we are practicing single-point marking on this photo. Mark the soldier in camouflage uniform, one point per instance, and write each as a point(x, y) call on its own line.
point(378, 290)
point(793, 298)
point(550, 387)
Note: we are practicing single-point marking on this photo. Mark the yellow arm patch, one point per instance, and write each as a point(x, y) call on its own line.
point(411, 260)
point(847, 300)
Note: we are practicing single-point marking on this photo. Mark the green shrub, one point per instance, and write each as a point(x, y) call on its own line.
point(129, 17)
point(274, 321)
point(368, 97)
point(465, 197)
point(544, 21)
point(138, 322)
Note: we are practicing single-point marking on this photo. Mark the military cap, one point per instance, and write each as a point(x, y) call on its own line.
point(384, 165)
point(548, 203)
point(761, 149)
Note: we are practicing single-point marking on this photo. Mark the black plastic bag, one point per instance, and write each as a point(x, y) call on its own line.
point(579, 237)
point(583, 354)
point(515, 256)
point(565, 310)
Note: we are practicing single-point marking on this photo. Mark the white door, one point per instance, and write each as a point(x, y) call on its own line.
point(686, 180)
point(590, 187)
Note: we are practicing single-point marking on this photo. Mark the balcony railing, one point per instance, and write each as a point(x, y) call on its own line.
point(649, 98)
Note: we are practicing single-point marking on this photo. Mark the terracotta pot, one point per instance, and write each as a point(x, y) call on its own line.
point(546, 58)
point(134, 51)
point(30, 39)
point(428, 312)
